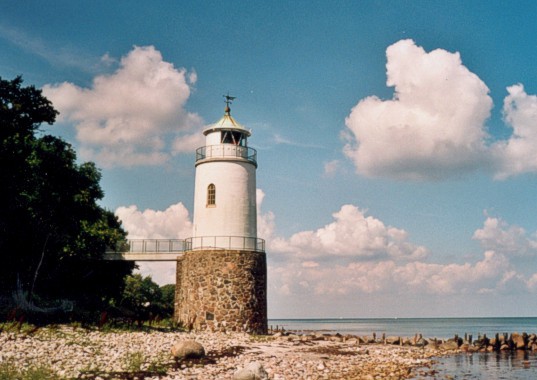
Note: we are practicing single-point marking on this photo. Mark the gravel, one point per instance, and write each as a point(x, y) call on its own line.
point(77, 353)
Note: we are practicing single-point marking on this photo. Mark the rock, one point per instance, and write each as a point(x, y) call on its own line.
point(252, 371)
point(420, 342)
point(393, 340)
point(518, 341)
point(188, 349)
point(449, 345)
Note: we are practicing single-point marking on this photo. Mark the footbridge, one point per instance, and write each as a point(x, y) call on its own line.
point(148, 250)
point(172, 249)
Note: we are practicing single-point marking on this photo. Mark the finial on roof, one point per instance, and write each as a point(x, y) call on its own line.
point(228, 101)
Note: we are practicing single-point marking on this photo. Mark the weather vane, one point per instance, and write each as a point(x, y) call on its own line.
point(228, 101)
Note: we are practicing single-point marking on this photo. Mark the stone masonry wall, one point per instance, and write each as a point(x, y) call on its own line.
point(222, 290)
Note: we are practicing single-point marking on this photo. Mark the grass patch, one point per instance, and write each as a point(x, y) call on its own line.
point(9, 372)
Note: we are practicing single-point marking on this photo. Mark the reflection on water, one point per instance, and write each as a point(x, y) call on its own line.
point(519, 365)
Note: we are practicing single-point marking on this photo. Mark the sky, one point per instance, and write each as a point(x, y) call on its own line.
point(396, 140)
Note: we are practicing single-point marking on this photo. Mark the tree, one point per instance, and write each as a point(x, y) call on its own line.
point(53, 233)
point(168, 299)
point(141, 295)
point(145, 299)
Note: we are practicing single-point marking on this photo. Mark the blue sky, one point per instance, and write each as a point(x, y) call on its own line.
point(397, 140)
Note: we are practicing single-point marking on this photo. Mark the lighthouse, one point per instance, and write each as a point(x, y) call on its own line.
point(222, 276)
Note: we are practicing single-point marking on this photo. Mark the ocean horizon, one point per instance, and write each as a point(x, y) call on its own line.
point(442, 328)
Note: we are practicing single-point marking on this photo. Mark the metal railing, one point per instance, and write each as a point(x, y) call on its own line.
point(227, 150)
point(177, 246)
point(225, 242)
point(156, 245)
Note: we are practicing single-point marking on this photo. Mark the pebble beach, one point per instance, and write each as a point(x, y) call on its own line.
point(78, 353)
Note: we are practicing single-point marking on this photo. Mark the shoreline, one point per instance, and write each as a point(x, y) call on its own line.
point(72, 352)
point(77, 353)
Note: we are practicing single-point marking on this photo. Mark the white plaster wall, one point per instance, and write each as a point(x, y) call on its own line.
point(213, 138)
point(235, 211)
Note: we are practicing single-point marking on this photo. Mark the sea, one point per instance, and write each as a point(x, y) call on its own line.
point(491, 366)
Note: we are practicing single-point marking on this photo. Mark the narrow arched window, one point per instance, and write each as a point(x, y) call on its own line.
point(211, 195)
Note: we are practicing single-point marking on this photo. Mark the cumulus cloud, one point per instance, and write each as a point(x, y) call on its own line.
point(519, 153)
point(172, 223)
point(434, 125)
point(491, 273)
point(352, 235)
point(127, 118)
point(499, 236)
point(308, 265)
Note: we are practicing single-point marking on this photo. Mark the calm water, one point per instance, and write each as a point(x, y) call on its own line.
point(477, 366)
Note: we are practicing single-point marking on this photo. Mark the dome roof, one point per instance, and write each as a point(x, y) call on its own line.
point(227, 122)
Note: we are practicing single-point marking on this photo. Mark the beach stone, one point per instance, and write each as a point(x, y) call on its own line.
point(449, 345)
point(252, 371)
point(188, 349)
point(518, 341)
point(420, 342)
point(393, 340)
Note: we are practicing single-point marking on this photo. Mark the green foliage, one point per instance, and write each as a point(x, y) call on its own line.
point(144, 300)
point(167, 299)
point(53, 233)
point(141, 295)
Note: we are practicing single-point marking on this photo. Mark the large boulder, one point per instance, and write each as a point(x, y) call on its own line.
point(252, 371)
point(188, 349)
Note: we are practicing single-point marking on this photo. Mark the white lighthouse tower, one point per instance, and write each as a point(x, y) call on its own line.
point(225, 189)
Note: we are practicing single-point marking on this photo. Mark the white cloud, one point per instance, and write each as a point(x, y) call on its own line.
point(498, 236)
point(308, 265)
point(128, 117)
point(434, 125)
point(188, 143)
point(351, 235)
point(388, 276)
point(519, 153)
point(172, 223)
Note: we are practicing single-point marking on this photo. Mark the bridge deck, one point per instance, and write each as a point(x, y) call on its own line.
point(142, 256)
point(172, 249)
point(148, 250)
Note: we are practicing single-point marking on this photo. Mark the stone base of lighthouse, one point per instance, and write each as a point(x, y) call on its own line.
point(222, 290)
